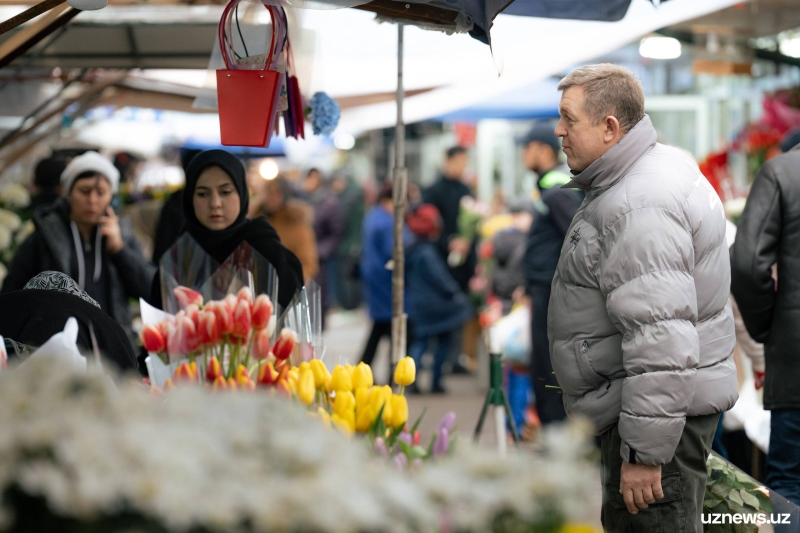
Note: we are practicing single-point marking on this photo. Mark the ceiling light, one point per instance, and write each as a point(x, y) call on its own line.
point(790, 47)
point(660, 48)
point(269, 169)
point(344, 141)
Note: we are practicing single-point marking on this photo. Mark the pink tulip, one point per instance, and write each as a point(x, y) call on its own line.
point(262, 311)
point(230, 302)
point(223, 315)
point(242, 319)
point(207, 328)
point(182, 338)
point(284, 346)
point(187, 296)
point(153, 339)
point(261, 345)
point(245, 294)
point(192, 311)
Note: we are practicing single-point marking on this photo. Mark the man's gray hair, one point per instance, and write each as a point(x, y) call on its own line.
point(609, 90)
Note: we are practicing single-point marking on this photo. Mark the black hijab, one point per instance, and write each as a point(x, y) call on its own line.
point(258, 233)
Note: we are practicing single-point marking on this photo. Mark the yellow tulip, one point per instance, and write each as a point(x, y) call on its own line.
point(305, 387)
point(362, 398)
point(406, 372)
point(346, 425)
point(321, 374)
point(294, 374)
point(362, 376)
point(304, 366)
point(345, 404)
point(578, 528)
point(398, 414)
point(364, 419)
point(341, 380)
point(324, 416)
point(350, 369)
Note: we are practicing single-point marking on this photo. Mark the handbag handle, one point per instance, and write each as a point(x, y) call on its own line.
point(224, 21)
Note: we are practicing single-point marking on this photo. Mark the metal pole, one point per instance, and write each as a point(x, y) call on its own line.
point(400, 195)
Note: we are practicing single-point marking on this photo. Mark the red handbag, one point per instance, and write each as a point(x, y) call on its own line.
point(247, 99)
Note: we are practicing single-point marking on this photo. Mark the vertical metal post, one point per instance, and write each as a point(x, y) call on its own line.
point(400, 195)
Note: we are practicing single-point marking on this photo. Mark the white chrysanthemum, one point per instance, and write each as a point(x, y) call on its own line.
point(24, 232)
point(10, 220)
point(5, 237)
point(196, 460)
point(15, 195)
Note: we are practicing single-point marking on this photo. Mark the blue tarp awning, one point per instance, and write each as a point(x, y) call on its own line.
point(535, 101)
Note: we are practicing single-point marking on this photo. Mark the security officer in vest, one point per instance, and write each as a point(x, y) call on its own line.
point(555, 209)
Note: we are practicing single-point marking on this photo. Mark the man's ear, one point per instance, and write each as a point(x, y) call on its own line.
point(613, 131)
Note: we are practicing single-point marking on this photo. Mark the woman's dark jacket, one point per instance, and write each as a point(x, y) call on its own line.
point(437, 304)
point(51, 247)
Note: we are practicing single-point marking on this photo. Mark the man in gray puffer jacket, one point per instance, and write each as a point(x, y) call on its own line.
point(641, 331)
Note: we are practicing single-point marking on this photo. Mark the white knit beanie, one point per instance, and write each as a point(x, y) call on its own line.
point(90, 161)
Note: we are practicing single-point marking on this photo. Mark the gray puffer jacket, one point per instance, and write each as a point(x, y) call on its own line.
point(640, 327)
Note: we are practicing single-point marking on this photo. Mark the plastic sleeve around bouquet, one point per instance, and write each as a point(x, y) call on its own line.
point(186, 264)
point(730, 491)
point(304, 316)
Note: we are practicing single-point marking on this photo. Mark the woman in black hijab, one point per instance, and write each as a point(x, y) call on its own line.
point(215, 205)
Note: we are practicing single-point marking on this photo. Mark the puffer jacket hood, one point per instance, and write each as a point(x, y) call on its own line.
point(640, 328)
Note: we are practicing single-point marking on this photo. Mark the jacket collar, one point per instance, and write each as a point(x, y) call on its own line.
point(616, 162)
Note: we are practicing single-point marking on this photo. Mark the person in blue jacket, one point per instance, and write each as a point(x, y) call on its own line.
point(437, 306)
point(377, 244)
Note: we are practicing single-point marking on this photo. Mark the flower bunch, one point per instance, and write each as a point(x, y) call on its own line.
point(349, 400)
point(404, 450)
point(240, 327)
point(323, 112)
point(14, 227)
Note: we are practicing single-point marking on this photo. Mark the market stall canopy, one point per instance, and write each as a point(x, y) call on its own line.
point(535, 101)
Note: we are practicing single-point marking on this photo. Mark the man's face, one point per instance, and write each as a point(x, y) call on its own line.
point(583, 142)
point(532, 156)
point(455, 167)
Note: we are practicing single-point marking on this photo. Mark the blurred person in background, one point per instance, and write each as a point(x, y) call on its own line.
point(445, 195)
point(292, 218)
point(377, 246)
point(790, 140)
point(768, 234)
point(508, 254)
point(553, 214)
point(46, 183)
point(171, 221)
point(80, 235)
point(437, 305)
point(329, 226)
point(343, 267)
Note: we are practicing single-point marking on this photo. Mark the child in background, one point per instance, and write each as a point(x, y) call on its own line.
point(437, 305)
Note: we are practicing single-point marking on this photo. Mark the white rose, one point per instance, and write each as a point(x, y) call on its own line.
point(5, 237)
point(15, 195)
point(10, 219)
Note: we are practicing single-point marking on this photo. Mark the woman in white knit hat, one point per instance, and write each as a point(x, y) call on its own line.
point(81, 236)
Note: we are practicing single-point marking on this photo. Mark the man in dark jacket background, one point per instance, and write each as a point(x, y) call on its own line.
point(553, 214)
point(769, 235)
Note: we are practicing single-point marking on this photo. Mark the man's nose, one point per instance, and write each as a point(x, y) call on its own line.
point(560, 130)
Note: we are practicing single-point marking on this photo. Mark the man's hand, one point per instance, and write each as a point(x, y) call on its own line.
point(640, 485)
point(109, 228)
point(459, 245)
